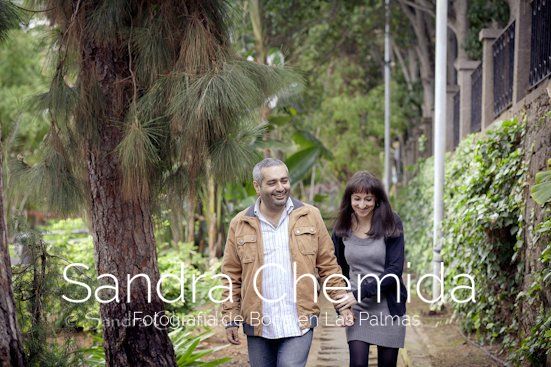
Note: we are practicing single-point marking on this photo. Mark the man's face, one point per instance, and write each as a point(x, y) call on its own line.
point(275, 188)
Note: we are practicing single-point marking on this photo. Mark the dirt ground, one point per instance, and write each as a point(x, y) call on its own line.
point(438, 341)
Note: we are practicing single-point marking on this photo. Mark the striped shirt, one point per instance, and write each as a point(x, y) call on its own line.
point(280, 317)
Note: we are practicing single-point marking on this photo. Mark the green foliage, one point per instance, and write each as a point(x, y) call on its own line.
point(67, 241)
point(233, 156)
point(536, 346)
point(483, 14)
point(8, 18)
point(484, 226)
point(414, 204)
point(342, 103)
point(353, 126)
point(22, 74)
point(50, 181)
point(186, 103)
point(484, 236)
point(187, 347)
point(541, 191)
point(37, 288)
point(71, 243)
point(311, 149)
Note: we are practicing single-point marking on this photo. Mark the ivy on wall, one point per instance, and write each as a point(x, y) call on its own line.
point(414, 204)
point(483, 228)
point(484, 237)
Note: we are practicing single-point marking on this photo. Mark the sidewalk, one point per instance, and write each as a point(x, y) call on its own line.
point(435, 342)
point(438, 342)
point(329, 347)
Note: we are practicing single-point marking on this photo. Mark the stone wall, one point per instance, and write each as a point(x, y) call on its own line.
point(537, 151)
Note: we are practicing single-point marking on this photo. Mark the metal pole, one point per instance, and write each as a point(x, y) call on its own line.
point(386, 178)
point(439, 138)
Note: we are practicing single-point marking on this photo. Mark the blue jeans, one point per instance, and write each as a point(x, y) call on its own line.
point(283, 352)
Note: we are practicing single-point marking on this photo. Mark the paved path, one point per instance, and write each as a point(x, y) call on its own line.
point(329, 347)
point(433, 340)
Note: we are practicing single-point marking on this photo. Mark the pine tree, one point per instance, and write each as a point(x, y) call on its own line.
point(11, 347)
point(145, 95)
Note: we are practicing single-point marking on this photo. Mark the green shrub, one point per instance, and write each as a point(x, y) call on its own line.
point(483, 227)
point(414, 205)
point(63, 242)
point(483, 231)
point(187, 347)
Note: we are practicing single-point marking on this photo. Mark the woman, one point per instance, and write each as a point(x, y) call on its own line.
point(368, 239)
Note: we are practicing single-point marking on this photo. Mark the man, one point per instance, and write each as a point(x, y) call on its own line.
point(265, 244)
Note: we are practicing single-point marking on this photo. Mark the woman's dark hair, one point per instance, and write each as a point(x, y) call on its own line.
point(383, 222)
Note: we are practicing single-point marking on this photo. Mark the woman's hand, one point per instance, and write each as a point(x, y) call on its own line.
point(346, 301)
point(348, 317)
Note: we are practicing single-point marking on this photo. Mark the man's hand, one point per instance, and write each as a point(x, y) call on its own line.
point(232, 334)
point(348, 317)
point(346, 301)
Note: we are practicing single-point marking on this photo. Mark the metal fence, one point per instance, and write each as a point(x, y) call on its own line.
point(540, 48)
point(456, 106)
point(476, 99)
point(503, 50)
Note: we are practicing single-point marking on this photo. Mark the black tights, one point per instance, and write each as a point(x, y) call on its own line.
point(359, 355)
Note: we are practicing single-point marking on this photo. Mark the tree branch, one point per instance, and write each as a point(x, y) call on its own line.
point(423, 7)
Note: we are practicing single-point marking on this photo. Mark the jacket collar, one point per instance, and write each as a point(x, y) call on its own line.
point(296, 204)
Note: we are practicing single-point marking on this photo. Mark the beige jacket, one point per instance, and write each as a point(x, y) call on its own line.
point(311, 248)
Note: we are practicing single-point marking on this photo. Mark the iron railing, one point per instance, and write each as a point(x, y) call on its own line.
point(476, 99)
point(503, 50)
point(540, 44)
point(456, 106)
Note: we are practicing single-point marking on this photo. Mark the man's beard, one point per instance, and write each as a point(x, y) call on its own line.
point(279, 201)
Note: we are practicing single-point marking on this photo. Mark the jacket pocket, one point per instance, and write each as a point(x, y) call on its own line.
point(307, 239)
point(246, 248)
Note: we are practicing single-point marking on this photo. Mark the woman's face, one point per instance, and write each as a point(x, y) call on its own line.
point(363, 204)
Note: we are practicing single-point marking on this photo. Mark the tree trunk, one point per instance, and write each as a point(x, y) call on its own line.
point(461, 27)
point(219, 225)
point(176, 220)
point(312, 184)
point(211, 216)
point(11, 348)
point(258, 30)
point(192, 205)
point(257, 21)
point(122, 228)
point(421, 23)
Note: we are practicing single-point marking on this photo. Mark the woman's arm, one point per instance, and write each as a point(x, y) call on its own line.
point(339, 254)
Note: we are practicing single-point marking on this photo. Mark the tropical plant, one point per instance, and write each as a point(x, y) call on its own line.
point(187, 347)
point(143, 96)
